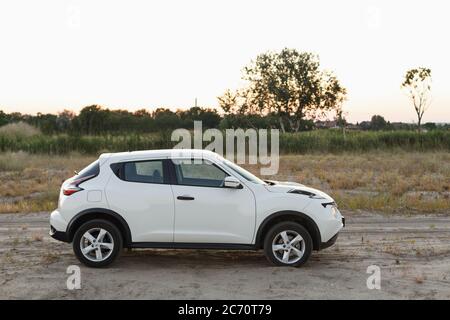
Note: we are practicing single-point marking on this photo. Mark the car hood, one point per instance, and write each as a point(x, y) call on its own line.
point(285, 186)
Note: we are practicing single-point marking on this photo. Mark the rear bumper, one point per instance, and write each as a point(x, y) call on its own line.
point(58, 235)
point(58, 227)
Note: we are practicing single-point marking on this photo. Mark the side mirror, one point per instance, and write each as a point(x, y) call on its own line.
point(232, 182)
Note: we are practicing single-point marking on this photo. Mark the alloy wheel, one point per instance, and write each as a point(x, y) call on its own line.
point(288, 246)
point(96, 244)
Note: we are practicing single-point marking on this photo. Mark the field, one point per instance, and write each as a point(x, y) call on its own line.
point(389, 182)
point(411, 251)
point(397, 208)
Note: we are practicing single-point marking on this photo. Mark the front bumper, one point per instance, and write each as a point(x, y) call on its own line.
point(333, 239)
point(329, 243)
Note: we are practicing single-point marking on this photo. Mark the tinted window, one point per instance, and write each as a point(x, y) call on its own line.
point(144, 171)
point(91, 170)
point(247, 175)
point(199, 173)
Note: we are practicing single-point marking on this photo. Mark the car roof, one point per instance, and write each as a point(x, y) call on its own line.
point(163, 153)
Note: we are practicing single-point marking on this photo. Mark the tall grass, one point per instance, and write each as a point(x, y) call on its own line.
point(335, 141)
point(297, 143)
point(18, 130)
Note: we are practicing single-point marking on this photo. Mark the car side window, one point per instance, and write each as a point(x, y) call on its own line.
point(144, 171)
point(91, 170)
point(201, 173)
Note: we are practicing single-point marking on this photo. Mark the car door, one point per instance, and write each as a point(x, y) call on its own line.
point(207, 212)
point(140, 191)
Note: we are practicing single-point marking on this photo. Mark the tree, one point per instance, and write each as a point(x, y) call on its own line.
point(291, 85)
point(64, 120)
point(417, 83)
point(341, 121)
point(228, 101)
point(92, 119)
point(3, 118)
point(378, 123)
point(45, 122)
point(209, 117)
point(165, 119)
point(430, 126)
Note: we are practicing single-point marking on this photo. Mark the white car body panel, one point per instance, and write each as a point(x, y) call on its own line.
point(216, 215)
point(148, 208)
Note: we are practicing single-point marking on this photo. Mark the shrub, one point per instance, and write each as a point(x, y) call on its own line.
point(19, 130)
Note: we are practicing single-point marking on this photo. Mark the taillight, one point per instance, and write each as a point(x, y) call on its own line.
point(73, 186)
point(71, 190)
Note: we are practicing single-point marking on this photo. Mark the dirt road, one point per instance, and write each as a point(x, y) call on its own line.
point(413, 254)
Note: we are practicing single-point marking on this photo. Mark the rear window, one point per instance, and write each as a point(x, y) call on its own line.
point(91, 170)
point(151, 171)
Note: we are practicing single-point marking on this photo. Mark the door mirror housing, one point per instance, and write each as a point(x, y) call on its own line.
point(232, 182)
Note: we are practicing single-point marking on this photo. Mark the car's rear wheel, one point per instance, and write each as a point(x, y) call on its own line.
point(97, 243)
point(288, 244)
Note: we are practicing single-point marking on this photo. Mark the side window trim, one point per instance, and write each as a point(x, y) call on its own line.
point(172, 178)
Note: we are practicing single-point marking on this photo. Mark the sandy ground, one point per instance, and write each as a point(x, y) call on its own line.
point(413, 253)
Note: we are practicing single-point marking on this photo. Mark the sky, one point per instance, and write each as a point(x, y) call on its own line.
point(67, 54)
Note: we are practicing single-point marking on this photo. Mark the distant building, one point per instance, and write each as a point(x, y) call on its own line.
point(351, 126)
point(326, 124)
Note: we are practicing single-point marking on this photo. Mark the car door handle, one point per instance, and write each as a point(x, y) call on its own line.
point(185, 198)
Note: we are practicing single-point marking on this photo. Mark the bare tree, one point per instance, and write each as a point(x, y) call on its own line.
point(417, 83)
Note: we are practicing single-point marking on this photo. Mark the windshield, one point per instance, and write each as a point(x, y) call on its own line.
point(244, 173)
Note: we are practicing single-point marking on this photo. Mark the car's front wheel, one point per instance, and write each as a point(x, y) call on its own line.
point(288, 244)
point(97, 243)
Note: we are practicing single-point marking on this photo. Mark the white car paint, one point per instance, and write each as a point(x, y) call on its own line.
point(216, 215)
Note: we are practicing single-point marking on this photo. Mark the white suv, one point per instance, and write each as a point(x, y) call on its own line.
point(189, 199)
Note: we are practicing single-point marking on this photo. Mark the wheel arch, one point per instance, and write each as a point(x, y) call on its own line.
point(288, 215)
point(100, 213)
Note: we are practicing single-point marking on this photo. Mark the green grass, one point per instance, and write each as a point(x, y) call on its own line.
point(319, 141)
point(360, 141)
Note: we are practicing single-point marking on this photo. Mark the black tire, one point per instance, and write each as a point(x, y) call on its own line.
point(113, 232)
point(287, 226)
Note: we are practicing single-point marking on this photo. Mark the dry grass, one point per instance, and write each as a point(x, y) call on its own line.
point(49, 258)
point(380, 181)
point(19, 130)
point(37, 238)
point(404, 182)
point(31, 183)
point(419, 279)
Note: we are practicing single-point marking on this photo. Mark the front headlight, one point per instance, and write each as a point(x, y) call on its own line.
point(334, 211)
point(333, 208)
